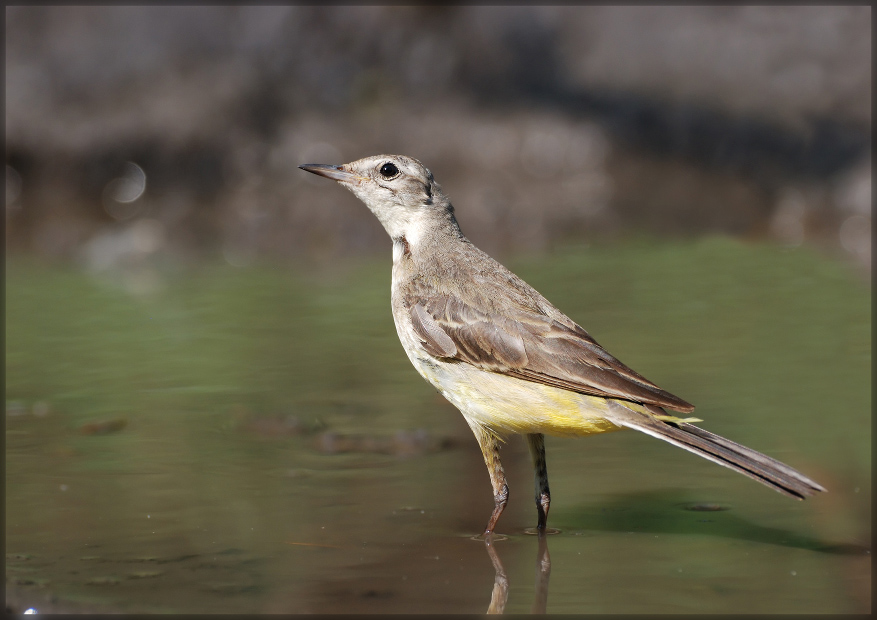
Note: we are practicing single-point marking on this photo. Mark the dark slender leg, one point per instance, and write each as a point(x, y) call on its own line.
point(489, 444)
point(536, 443)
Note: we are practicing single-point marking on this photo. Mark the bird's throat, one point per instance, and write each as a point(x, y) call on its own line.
point(401, 249)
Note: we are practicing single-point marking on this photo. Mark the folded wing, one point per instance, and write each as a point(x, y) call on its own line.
point(533, 347)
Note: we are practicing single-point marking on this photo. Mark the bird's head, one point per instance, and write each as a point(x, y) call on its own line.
point(399, 190)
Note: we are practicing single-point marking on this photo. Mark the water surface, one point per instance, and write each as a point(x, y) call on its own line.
point(221, 439)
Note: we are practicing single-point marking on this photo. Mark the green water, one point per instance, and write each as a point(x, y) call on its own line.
point(166, 449)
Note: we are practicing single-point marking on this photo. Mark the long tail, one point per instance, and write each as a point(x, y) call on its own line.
point(778, 476)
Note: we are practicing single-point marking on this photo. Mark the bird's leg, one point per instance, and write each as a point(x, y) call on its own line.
point(489, 444)
point(536, 443)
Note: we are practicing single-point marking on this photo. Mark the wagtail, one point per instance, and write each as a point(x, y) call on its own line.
point(503, 355)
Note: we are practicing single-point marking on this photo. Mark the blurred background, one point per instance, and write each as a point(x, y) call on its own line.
point(207, 406)
point(177, 130)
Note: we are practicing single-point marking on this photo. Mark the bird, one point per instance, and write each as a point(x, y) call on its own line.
point(503, 355)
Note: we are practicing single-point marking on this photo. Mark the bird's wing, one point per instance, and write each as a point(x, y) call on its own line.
point(530, 346)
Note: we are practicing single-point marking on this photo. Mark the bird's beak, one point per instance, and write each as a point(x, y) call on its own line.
point(336, 173)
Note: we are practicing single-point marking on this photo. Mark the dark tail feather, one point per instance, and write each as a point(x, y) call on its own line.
point(778, 476)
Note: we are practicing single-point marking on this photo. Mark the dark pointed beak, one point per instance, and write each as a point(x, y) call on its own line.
point(336, 173)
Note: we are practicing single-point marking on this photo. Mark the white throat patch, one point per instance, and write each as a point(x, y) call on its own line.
point(398, 249)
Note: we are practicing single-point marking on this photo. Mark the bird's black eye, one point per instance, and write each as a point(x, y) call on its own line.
point(389, 170)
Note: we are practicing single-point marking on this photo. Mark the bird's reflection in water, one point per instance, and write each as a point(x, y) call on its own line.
point(543, 572)
point(500, 594)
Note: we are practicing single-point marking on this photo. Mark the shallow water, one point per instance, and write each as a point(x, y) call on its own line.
point(220, 439)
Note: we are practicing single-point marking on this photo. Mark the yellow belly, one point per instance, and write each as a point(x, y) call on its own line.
point(507, 405)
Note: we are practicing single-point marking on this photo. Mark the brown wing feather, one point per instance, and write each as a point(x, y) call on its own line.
point(435, 340)
point(532, 347)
